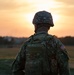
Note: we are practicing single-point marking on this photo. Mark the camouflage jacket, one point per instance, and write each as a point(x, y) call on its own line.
point(18, 66)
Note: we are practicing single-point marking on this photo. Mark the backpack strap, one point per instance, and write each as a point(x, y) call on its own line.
point(50, 39)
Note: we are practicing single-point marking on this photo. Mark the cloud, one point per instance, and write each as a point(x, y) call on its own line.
point(8, 4)
point(64, 7)
point(12, 4)
point(68, 2)
point(64, 11)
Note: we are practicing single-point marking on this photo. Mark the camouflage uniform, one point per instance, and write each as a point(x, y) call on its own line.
point(18, 67)
point(59, 66)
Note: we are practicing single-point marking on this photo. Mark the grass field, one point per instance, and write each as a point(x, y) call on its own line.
point(70, 50)
point(7, 55)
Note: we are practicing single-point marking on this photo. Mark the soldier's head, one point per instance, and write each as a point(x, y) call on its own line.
point(43, 19)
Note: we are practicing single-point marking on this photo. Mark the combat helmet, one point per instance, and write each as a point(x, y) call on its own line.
point(43, 17)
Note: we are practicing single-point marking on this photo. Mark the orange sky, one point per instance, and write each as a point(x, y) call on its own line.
point(16, 16)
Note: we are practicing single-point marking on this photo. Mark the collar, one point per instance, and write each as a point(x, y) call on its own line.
point(41, 32)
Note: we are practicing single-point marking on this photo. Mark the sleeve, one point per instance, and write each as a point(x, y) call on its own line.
point(18, 65)
point(63, 59)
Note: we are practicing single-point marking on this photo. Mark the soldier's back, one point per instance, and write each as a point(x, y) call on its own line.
point(40, 55)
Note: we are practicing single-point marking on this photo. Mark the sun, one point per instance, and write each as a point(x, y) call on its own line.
point(39, 6)
point(29, 17)
point(56, 17)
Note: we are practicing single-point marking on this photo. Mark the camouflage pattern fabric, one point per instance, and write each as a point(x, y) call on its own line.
point(43, 17)
point(59, 61)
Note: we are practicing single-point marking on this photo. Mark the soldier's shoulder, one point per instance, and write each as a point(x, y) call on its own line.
point(49, 36)
point(60, 45)
point(57, 39)
point(28, 39)
point(57, 42)
point(25, 43)
point(52, 37)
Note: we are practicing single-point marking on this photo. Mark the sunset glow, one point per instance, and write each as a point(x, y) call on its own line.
point(16, 16)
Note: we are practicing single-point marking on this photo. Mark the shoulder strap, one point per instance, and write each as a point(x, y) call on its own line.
point(50, 38)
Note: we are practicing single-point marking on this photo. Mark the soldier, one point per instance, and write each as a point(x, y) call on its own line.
point(42, 53)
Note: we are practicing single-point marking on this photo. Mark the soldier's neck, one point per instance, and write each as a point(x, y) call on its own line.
point(42, 29)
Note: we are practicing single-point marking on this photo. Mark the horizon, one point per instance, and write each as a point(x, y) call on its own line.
point(16, 17)
point(29, 36)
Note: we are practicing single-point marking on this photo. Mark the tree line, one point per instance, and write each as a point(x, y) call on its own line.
point(68, 40)
point(9, 41)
